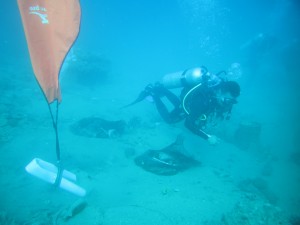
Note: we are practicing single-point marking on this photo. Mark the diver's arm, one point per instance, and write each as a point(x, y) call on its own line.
point(190, 123)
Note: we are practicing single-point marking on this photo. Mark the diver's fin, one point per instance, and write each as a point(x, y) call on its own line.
point(148, 91)
point(140, 98)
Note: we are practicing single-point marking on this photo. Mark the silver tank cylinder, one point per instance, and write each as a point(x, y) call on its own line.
point(179, 79)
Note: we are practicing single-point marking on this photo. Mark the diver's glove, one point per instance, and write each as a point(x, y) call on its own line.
point(213, 140)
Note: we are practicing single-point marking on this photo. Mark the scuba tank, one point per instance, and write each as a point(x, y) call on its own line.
point(189, 77)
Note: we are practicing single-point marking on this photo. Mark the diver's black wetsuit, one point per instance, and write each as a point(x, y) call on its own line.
point(177, 114)
point(201, 105)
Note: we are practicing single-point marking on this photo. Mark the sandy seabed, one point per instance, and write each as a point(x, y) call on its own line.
point(228, 188)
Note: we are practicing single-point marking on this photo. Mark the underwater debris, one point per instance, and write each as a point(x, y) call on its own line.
point(70, 212)
point(76, 208)
point(96, 127)
point(167, 161)
point(247, 135)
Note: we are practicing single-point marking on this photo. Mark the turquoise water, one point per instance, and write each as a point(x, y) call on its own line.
point(123, 46)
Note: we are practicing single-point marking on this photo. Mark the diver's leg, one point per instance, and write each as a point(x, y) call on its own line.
point(172, 98)
point(172, 116)
point(162, 91)
point(162, 109)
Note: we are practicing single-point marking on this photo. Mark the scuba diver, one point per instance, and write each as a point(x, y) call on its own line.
point(204, 99)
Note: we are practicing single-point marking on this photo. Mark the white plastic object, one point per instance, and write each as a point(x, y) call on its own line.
point(48, 172)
